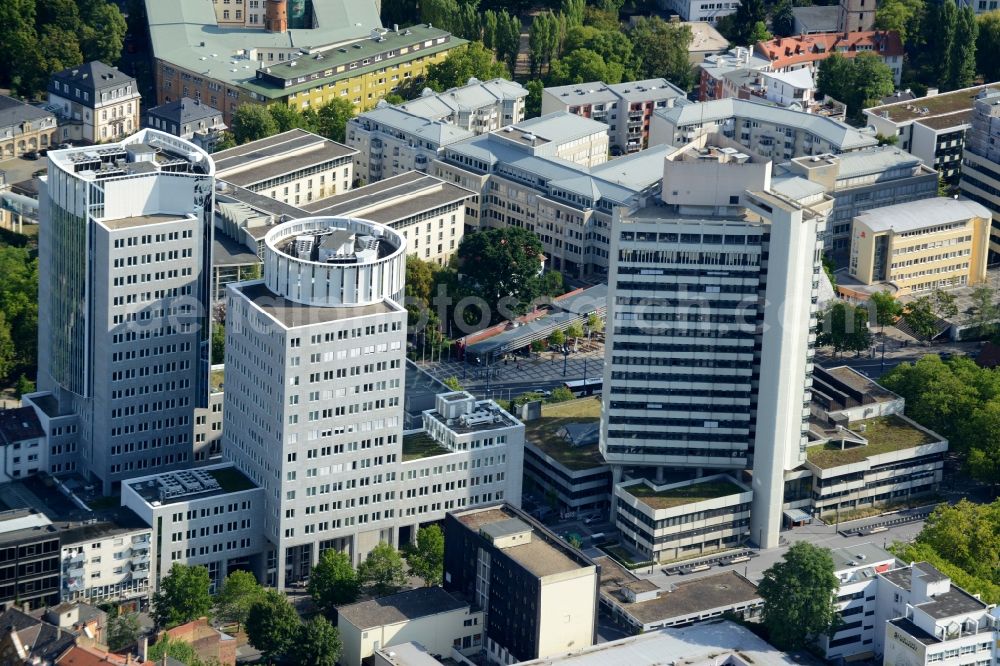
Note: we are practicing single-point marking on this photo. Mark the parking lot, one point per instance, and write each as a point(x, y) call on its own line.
point(18, 169)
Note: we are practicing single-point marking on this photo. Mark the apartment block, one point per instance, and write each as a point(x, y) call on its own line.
point(857, 600)
point(769, 131)
point(673, 521)
point(698, 10)
point(29, 559)
point(721, 75)
point(626, 108)
point(303, 54)
point(23, 448)
point(94, 103)
point(787, 54)
point(25, 128)
point(859, 181)
point(562, 135)
point(208, 516)
point(921, 245)
point(124, 285)
point(932, 128)
point(294, 167)
point(478, 107)
point(538, 594)
point(190, 120)
point(981, 160)
point(107, 560)
point(440, 621)
point(569, 206)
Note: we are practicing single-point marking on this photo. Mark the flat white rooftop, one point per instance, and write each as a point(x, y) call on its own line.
point(921, 214)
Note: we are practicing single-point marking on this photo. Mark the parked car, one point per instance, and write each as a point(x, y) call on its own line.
point(40, 172)
point(33, 155)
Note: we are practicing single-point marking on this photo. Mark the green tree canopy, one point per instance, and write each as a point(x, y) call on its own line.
point(175, 649)
point(239, 592)
point(333, 581)
point(183, 596)
point(502, 263)
point(123, 631)
point(332, 117)
point(273, 626)
point(968, 535)
point(988, 46)
point(919, 315)
point(782, 19)
point(252, 122)
point(318, 643)
point(798, 595)
point(963, 61)
point(471, 60)
point(887, 308)
point(662, 50)
point(426, 558)
point(583, 65)
point(561, 394)
point(382, 570)
point(985, 310)
point(903, 16)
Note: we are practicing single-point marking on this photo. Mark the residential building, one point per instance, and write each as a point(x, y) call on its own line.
point(428, 212)
point(428, 614)
point(26, 640)
point(24, 128)
point(107, 560)
point(122, 365)
point(857, 568)
point(698, 10)
point(626, 108)
point(928, 620)
point(980, 6)
point(981, 161)
point(29, 559)
point(562, 459)
point(921, 246)
point(932, 128)
point(706, 644)
point(538, 593)
point(788, 54)
point(302, 57)
point(562, 135)
point(639, 606)
point(794, 88)
point(190, 120)
point(478, 107)
point(569, 206)
point(209, 516)
point(720, 74)
point(677, 520)
point(726, 390)
point(390, 141)
point(294, 167)
point(767, 130)
point(859, 181)
point(705, 40)
point(94, 102)
point(23, 449)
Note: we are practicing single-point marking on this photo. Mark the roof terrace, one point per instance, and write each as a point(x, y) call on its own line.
point(678, 495)
point(885, 434)
point(548, 432)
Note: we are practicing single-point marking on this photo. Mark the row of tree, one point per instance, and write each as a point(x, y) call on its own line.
point(18, 314)
point(41, 37)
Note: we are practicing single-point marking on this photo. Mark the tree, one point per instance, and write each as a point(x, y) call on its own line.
point(745, 21)
point(782, 19)
point(887, 308)
point(533, 103)
point(574, 331)
point(798, 595)
point(453, 383)
point(903, 16)
point(983, 441)
point(760, 33)
point(183, 596)
point(174, 648)
point(23, 386)
point(583, 65)
point(239, 592)
point(252, 122)
point(561, 394)
point(988, 45)
point(557, 338)
point(463, 63)
point(573, 10)
point(845, 328)
point(938, 33)
point(873, 80)
point(123, 631)
point(502, 263)
point(594, 323)
point(382, 570)
point(8, 353)
point(333, 581)
point(332, 117)
point(968, 535)
point(426, 558)
point(103, 32)
point(944, 304)
point(919, 315)
point(441, 13)
point(985, 311)
point(963, 60)
point(218, 343)
point(399, 12)
point(662, 50)
point(318, 643)
point(835, 76)
point(507, 40)
point(273, 626)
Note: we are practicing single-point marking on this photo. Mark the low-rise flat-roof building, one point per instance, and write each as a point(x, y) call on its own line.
point(932, 128)
point(478, 107)
point(430, 615)
point(626, 108)
point(294, 167)
point(638, 605)
point(922, 245)
point(503, 560)
point(29, 556)
point(24, 128)
point(190, 120)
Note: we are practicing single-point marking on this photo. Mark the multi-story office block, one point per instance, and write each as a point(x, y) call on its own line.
point(765, 129)
point(314, 387)
point(479, 107)
point(859, 181)
point(209, 516)
point(29, 559)
point(921, 246)
point(712, 300)
point(539, 594)
point(626, 108)
point(294, 167)
point(981, 160)
point(107, 560)
point(124, 287)
point(94, 102)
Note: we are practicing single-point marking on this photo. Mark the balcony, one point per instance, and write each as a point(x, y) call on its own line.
point(75, 584)
point(140, 574)
point(140, 558)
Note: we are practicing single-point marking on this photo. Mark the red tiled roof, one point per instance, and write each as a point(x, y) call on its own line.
point(80, 656)
point(790, 51)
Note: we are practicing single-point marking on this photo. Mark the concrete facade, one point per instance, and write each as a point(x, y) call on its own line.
point(981, 161)
point(107, 562)
point(478, 107)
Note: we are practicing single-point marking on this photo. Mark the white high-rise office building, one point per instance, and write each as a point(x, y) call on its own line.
point(124, 270)
point(711, 313)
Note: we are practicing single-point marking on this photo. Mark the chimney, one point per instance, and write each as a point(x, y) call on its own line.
point(143, 647)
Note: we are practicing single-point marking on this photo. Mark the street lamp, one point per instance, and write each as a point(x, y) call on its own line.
point(565, 353)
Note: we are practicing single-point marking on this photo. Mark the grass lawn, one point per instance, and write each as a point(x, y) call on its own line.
point(216, 379)
point(885, 434)
point(544, 432)
point(671, 497)
point(231, 480)
point(624, 557)
point(421, 445)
